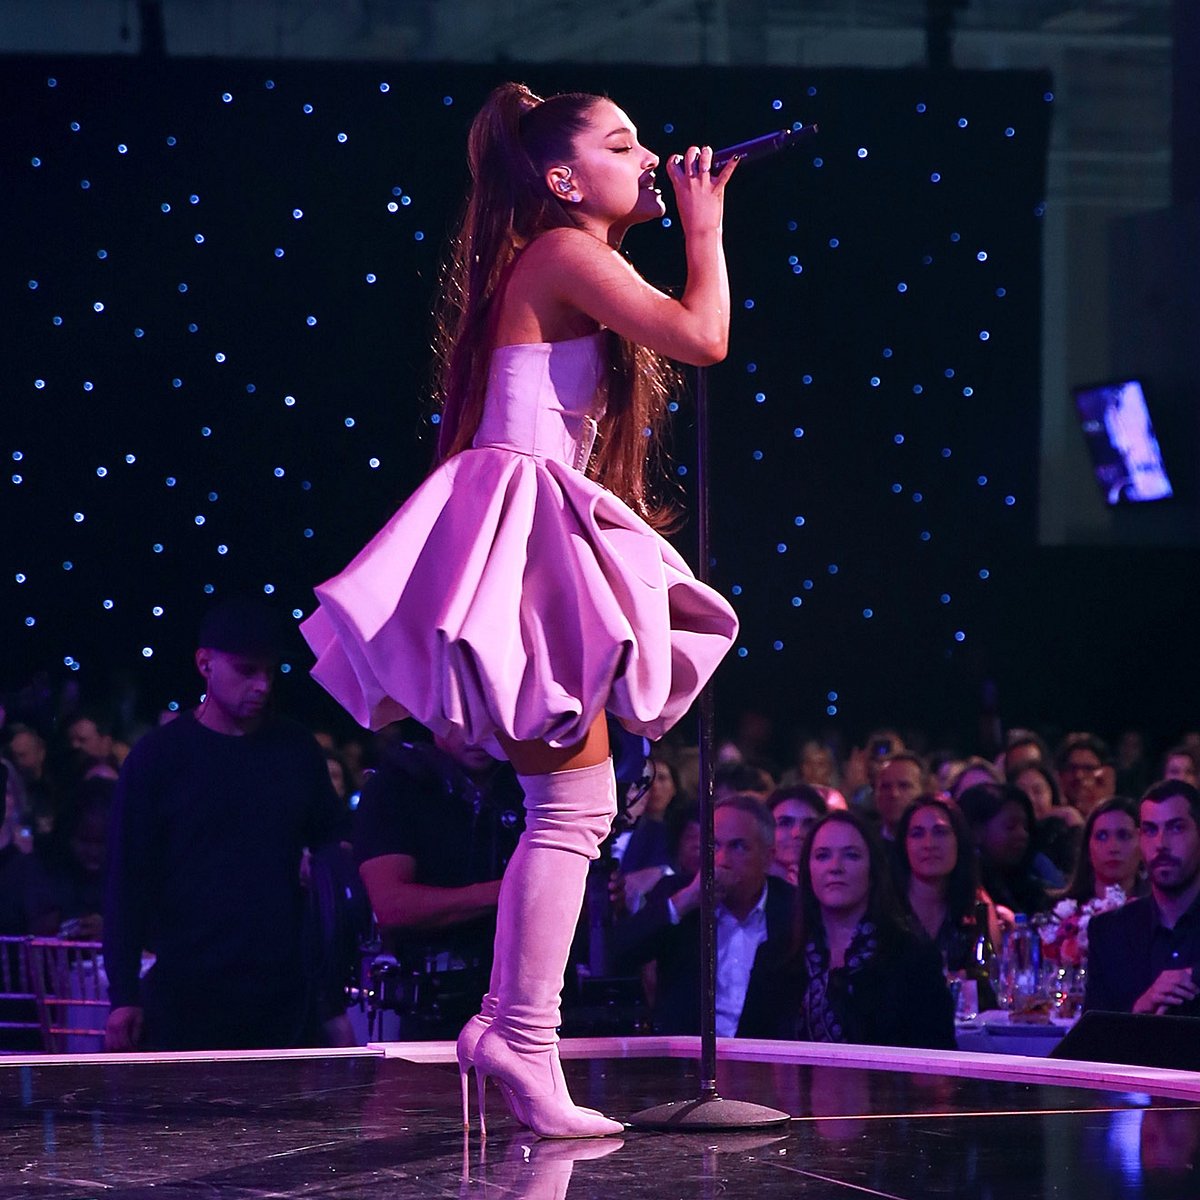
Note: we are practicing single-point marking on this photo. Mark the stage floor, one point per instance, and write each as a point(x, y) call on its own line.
point(379, 1123)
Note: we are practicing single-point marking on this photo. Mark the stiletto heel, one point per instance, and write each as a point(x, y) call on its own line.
point(480, 1092)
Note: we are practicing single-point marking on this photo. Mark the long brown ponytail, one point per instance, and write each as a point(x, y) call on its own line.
point(513, 139)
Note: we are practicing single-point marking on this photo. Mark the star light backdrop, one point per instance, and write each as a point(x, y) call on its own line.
point(218, 316)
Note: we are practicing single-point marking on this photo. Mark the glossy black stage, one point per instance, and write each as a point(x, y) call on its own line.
point(379, 1123)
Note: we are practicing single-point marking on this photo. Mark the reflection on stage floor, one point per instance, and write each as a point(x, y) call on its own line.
point(370, 1124)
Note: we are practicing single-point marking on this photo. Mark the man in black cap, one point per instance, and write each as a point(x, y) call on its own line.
point(211, 816)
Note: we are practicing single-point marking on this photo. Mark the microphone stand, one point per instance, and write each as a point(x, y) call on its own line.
point(708, 1110)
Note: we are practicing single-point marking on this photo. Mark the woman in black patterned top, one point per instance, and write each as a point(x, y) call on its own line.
point(855, 971)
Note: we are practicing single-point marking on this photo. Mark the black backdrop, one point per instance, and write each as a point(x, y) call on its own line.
point(223, 271)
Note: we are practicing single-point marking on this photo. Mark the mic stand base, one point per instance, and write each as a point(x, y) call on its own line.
point(707, 1114)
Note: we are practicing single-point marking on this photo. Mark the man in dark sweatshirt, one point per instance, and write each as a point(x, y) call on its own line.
point(211, 815)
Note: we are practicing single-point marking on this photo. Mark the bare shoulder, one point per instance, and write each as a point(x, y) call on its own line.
point(565, 247)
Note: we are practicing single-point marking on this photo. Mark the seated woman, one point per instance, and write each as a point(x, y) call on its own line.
point(796, 808)
point(1112, 854)
point(1058, 826)
point(855, 971)
point(1000, 817)
point(937, 878)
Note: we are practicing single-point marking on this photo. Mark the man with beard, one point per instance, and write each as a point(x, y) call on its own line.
point(1143, 958)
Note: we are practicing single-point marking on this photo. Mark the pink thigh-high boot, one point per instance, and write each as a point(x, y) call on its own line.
point(567, 815)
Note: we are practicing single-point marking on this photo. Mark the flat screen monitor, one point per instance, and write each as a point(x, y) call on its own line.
point(1121, 440)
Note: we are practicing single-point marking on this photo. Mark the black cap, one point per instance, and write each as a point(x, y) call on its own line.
point(243, 625)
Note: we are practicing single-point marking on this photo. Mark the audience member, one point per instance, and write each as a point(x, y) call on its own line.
point(818, 766)
point(15, 859)
point(648, 842)
point(741, 779)
point(754, 912)
point(899, 781)
point(90, 736)
point(1143, 957)
point(1058, 827)
point(433, 832)
point(1111, 854)
point(28, 751)
point(937, 878)
point(973, 771)
point(795, 809)
point(1133, 769)
point(1001, 819)
point(1182, 762)
point(863, 766)
point(853, 970)
point(65, 887)
point(211, 815)
point(1023, 747)
point(1080, 763)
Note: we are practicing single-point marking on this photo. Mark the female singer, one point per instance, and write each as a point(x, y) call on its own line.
point(524, 589)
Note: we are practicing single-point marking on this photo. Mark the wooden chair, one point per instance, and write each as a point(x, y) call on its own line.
point(20, 1022)
point(71, 989)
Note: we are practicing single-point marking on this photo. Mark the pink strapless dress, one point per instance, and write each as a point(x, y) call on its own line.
point(511, 593)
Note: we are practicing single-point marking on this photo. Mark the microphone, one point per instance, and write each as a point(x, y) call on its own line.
point(760, 147)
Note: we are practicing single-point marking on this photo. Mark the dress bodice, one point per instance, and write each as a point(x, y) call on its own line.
point(542, 399)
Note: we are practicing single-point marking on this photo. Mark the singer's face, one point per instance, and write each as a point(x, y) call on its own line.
point(614, 172)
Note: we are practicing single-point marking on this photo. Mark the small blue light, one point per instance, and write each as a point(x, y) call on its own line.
point(170, 481)
point(897, 488)
point(748, 304)
point(918, 497)
point(290, 401)
point(899, 439)
point(985, 573)
point(405, 201)
point(812, 91)
point(798, 432)
point(1048, 97)
point(1010, 132)
point(807, 585)
point(776, 104)
point(436, 419)
point(269, 84)
point(279, 472)
point(418, 236)
point(297, 613)
point(147, 651)
point(171, 141)
point(946, 451)
point(310, 321)
point(982, 480)
point(130, 459)
point(956, 237)
point(832, 568)
point(777, 645)
point(862, 152)
point(373, 463)
point(798, 521)
point(959, 636)
point(984, 335)
point(918, 390)
point(902, 287)
point(818, 162)
point(74, 126)
point(757, 455)
point(834, 243)
point(172, 705)
point(797, 601)
point(962, 122)
point(18, 456)
point(982, 256)
point(875, 381)
point(920, 108)
point(165, 207)
point(968, 392)
point(101, 471)
point(308, 533)
point(18, 479)
point(672, 407)
point(831, 710)
point(665, 222)
point(308, 109)
point(297, 213)
point(751, 368)
point(199, 239)
point(736, 590)
point(102, 254)
point(887, 352)
point(1002, 292)
point(183, 287)
point(157, 610)
point(371, 276)
point(936, 177)
point(108, 604)
point(385, 88)
point(98, 307)
point(868, 613)
point(79, 518)
point(157, 547)
point(760, 397)
point(781, 548)
point(925, 535)
point(85, 184)
point(222, 549)
point(88, 385)
point(51, 82)
point(944, 598)
point(1010, 500)
point(806, 380)
point(227, 97)
point(269, 588)
point(949, 372)
point(669, 127)
point(30, 622)
point(199, 518)
point(792, 227)
point(212, 497)
point(122, 148)
point(742, 651)
point(349, 422)
point(209, 589)
point(39, 384)
point(341, 137)
point(68, 565)
point(831, 696)
point(20, 576)
point(57, 320)
point(278, 251)
point(447, 100)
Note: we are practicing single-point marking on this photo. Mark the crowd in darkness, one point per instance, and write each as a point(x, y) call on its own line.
point(850, 879)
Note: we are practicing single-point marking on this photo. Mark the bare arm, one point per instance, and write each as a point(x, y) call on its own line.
point(569, 270)
point(400, 903)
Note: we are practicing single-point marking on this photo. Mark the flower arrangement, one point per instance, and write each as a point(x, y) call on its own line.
point(1063, 932)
